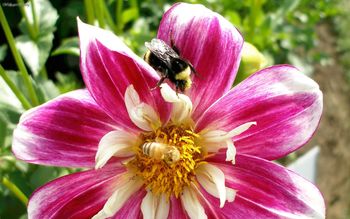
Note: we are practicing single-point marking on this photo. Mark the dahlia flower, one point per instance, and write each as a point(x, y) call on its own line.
point(155, 153)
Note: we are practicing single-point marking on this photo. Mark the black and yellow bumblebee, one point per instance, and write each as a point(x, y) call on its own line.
point(167, 61)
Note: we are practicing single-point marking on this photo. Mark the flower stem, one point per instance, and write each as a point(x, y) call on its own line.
point(43, 73)
point(255, 7)
point(15, 190)
point(107, 15)
point(18, 58)
point(99, 13)
point(25, 103)
point(89, 11)
point(30, 28)
point(118, 15)
point(35, 19)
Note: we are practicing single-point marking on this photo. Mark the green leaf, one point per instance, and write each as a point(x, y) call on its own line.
point(287, 6)
point(130, 14)
point(3, 131)
point(69, 46)
point(35, 53)
point(234, 18)
point(47, 90)
point(67, 82)
point(9, 113)
point(9, 117)
point(42, 175)
point(6, 94)
point(3, 51)
point(46, 16)
point(18, 81)
point(10, 206)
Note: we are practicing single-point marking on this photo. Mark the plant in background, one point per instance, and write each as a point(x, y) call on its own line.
point(205, 153)
point(252, 61)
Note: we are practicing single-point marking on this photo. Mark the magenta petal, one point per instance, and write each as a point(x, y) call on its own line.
point(210, 43)
point(80, 195)
point(62, 132)
point(108, 67)
point(176, 210)
point(267, 190)
point(285, 104)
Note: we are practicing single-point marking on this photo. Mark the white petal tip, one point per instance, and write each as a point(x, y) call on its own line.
point(140, 113)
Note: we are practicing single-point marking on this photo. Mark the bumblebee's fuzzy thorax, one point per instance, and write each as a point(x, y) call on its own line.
point(184, 74)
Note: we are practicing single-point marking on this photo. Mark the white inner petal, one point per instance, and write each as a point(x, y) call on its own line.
point(155, 207)
point(213, 140)
point(115, 143)
point(230, 194)
point(127, 186)
point(213, 180)
point(182, 105)
point(163, 207)
point(192, 205)
point(219, 136)
point(240, 129)
point(231, 151)
point(141, 114)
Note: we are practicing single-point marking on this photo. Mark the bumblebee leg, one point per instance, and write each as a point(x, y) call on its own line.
point(177, 88)
point(159, 83)
point(194, 70)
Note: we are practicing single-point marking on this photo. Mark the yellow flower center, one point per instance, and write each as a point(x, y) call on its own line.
point(166, 159)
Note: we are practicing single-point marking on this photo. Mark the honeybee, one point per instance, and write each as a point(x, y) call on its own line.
point(160, 151)
point(166, 60)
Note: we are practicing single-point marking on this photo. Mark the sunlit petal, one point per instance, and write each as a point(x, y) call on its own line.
point(141, 114)
point(125, 188)
point(192, 205)
point(155, 207)
point(182, 105)
point(115, 143)
point(209, 176)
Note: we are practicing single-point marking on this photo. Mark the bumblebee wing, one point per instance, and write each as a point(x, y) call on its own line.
point(162, 51)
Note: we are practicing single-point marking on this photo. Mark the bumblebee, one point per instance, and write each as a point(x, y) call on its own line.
point(166, 60)
point(159, 151)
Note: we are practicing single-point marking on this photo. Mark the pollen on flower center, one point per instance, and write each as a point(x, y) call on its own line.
point(167, 159)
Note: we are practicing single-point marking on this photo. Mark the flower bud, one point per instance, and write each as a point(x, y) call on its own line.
point(252, 61)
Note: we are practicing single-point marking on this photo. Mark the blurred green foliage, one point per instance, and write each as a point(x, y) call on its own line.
point(46, 37)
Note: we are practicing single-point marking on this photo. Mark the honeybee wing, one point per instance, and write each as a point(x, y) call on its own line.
point(162, 51)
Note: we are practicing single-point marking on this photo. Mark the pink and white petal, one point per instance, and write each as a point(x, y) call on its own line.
point(63, 132)
point(267, 190)
point(141, 114)
point(240, 208)
point(132, 207)
point(182, 105)
point(285, 104)
point(213, 180)
point(116, 143)
point(176, 210)
point(108, 67)
point(213, 140)
point(128, 185)
point(80, 195)
point(210, 43)
point(155, 207)
point(191, 204)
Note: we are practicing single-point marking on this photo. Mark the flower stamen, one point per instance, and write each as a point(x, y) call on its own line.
point(167, 159)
